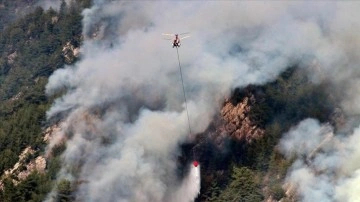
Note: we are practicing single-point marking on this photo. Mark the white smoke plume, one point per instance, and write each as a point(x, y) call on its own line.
point(124, 110)
point(327, 164)
point(330, 173)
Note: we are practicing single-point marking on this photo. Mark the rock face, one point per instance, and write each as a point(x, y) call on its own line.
point(290, 192)
point(27, 164)
point(50, 131)
point(39, 165)
point(236, 122)
point(22, 169)
point(11, 58)
point(22, 158)
point(70, 52)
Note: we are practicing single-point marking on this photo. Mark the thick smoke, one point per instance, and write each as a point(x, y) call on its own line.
point(123, 106)
point(328, 166)
point(327, 162)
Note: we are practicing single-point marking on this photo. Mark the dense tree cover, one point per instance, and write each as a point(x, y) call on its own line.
point(10, 10)
point(291, 98)
point(30, 50)
point(283, 104)
point(65, 189)
point(33, 188)
point(13, 9)
point(37, 39)
point(279, 105)
point(244, 186)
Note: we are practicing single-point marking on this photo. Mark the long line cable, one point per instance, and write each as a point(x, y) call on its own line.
point(182, 82)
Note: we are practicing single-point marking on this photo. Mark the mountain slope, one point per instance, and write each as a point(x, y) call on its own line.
point(113, 124)
point(31, 49)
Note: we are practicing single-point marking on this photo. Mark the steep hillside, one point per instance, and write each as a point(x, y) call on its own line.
point(92, 109)
point(244, 137)
point(31, 48)
point(10, 10)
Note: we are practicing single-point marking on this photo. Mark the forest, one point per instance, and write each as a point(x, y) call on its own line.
point(31, 49)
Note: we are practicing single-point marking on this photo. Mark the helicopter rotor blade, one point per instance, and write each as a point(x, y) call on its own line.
point(184, 37)
point(168, 34)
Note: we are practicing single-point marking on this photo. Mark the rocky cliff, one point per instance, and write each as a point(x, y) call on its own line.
point(236, 122)
point(24, 167)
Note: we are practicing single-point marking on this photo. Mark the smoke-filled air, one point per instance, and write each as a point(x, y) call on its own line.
point(122, 109)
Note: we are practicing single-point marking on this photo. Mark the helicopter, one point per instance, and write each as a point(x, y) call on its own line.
point(176, 43)
point(176, 38)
